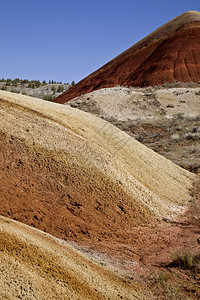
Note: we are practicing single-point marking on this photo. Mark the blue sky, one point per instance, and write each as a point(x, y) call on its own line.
point(68, 40)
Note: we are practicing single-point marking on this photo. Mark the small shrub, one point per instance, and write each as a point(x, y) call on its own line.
point(60, 89)
point(186, 260)
point(192, 136)
point(15, 91)
point(170, 106)
point(53, 89)
point(163, 277)
point(193, 150)
point(37, 83)
point(195, 188)
point(190, 84)
point(31, 85)
point(179, 116)
point(48, 97)
point(175, 136)
point(139, 138)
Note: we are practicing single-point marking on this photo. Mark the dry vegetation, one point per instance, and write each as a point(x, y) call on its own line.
point(35, 88)
point(165, 119)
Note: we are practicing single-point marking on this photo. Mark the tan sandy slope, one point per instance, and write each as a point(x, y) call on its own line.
point(92, 144)
point(35, 265)
point(123, 103)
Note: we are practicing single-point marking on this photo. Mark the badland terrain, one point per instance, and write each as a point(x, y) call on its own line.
point(87, 210)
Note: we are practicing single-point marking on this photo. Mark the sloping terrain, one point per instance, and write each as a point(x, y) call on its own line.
point(77, 177)
point(61, 159)
point(34, 88)
point(170, 53)
point(127, 104)
point(34, 265)
point(167, 120)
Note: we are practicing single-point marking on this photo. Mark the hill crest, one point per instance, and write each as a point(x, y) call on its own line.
point(170, 53)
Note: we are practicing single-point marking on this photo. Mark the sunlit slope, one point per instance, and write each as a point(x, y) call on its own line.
point(71, 173)
point(35, 265)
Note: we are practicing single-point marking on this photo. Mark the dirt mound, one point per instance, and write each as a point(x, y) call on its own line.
point(170, 53)
point(72, 174)
point(77, 177)
point(81, 179)
point(35, 265)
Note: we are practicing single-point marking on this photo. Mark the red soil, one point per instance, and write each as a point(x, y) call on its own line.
point(45, 189)
point(42, 190)
point(171, 53)
point(31, 193)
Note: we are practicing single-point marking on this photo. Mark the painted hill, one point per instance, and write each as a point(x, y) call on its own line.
point(74, 175)
point(77, 177)
point(170, 53)
point(35, 265)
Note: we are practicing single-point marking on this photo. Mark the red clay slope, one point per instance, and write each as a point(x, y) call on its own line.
point(172, 52)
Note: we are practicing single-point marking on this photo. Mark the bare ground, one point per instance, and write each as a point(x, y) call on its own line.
point(60, 176)
point(165, 120)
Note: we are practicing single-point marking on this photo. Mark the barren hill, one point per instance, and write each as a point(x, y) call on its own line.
point(78, 166)
point(170, 53)
point(64, 171)
point(77, 177)
point(164, 119)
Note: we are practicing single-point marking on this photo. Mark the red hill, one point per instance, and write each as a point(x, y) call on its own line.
point(170, 53)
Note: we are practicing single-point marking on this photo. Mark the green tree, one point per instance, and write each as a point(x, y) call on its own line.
point(15, 82)
point(48, 97)
point(8, 82)
point(53, 89)
point(25, 81)
point(37, 83)
point(60, 89)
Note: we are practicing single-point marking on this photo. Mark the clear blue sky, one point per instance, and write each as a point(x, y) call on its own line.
point(68, 40)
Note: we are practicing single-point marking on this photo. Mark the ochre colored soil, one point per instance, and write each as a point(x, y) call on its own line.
point(65, 172)
point(35, 265)
point(171, 53)
point(41, 189)
point(85, 157)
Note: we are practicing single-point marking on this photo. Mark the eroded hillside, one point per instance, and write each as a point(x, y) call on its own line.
point(168, 54)
point(35, 265)
point(79, 178)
